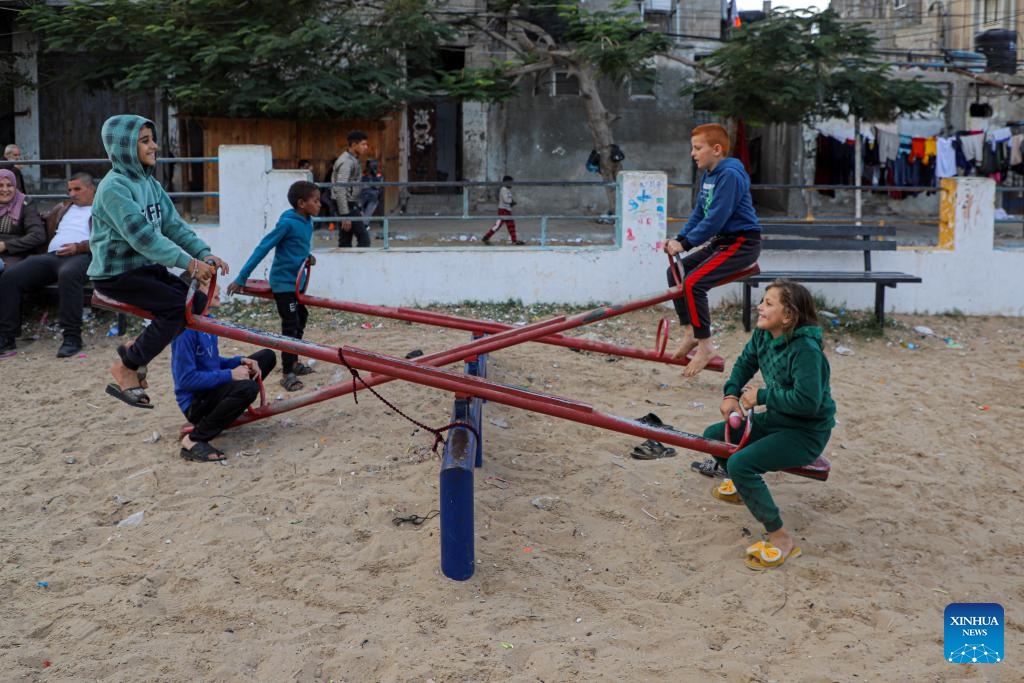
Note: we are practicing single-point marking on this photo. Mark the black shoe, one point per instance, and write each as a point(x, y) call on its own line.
point(709, 467)
point(7, 343)
point(69, 347)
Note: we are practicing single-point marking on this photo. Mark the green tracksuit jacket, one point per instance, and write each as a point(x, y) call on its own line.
point(796, 376)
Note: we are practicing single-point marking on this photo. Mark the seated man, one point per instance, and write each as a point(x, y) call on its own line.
point(213, 390)
point(13, 153)
point(65, 262)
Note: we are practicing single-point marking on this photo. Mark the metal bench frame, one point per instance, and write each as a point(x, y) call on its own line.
point(829, 237)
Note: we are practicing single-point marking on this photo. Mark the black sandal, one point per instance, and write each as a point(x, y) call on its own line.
point(291, 383)
point(652, 450)
point(201, 452)
point(301, 369)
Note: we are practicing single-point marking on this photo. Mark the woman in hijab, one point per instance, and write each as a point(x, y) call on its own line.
point(21, 229)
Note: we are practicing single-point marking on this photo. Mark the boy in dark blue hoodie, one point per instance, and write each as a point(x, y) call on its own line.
point(212, 390)
point(292, 242)
point(723, 224)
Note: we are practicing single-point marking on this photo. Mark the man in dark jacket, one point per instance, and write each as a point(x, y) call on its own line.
point(64, 261)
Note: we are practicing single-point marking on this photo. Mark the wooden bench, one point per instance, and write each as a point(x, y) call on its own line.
point(829, 237)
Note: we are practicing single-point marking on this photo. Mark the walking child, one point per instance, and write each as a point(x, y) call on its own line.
point(136, 236)
point(292, 242)
point(800, 413)
point(724, 222)
point(213, 390)
point(505, 203)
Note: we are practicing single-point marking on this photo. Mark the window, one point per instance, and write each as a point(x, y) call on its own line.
point(563, 83)
point(990, 10)
point(899, 4)
point(643, 85)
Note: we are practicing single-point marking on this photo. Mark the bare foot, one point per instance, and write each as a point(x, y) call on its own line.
point(125, 377)
point(688, 344)
point(783, 541)
point(705, 352)
point(141, 373)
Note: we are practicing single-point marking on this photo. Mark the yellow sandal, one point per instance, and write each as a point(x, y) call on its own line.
point(726, 491)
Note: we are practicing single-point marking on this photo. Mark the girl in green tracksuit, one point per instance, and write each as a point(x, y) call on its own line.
point(798, 417)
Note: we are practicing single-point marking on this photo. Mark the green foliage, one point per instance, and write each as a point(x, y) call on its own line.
point(308, 59)
point(798, 66)
point(616, 42)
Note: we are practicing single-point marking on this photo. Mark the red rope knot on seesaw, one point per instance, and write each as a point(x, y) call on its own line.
point(438, 432)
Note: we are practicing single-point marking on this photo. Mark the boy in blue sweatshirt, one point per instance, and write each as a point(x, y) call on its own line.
point(724, 222)
point(212, 391)
point(292, 242)
point(136, 236)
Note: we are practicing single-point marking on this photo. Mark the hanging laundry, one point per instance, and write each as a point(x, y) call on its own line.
point(945, 158)
point(972, 144)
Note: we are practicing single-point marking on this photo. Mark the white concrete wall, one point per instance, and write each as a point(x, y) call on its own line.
point(965, 274)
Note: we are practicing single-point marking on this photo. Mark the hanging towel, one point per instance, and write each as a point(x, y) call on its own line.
point(972, 144)
point(888, 145)
point(945, 158)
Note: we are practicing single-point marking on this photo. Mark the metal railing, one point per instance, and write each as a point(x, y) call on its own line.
point(389, 221)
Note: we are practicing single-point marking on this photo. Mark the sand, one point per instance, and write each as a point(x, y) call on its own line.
point(285, 565)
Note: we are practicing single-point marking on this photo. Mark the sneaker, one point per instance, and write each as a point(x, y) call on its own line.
point(518, 243)
point(709, 467)
point(7, 343)
point(70, 347)
point(486, 240)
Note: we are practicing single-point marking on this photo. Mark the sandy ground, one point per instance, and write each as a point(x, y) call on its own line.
point(285, 565)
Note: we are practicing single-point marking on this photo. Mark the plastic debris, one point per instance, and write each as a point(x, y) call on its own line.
point(953, 344)
point(70, 460)
point(498, 423)
point(43, 584)
point(132, 520)
point(844, 351)
point(153, 438)
point(827, 314)
point(508, 646)
point(544, 502)
point(113, 331)
point(924, 331)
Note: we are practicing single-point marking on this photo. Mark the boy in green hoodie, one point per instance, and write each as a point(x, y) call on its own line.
point(136, 236)
point(800, 413)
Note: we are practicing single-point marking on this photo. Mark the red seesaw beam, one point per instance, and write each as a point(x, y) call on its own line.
point(501, 340)
point(387, 368)
point(421, 373)
point(261, 289)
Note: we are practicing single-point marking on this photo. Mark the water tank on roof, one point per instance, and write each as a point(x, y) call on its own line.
point(999, 45)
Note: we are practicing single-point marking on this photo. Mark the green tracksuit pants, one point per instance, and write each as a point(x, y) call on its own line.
point(768, 450)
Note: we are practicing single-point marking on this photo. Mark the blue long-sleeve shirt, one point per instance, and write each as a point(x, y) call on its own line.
point(196, 365)
point(723, 205)
point(292, 241)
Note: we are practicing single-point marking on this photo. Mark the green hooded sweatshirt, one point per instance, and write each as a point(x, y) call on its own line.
point(796, 377)
point(134, 222)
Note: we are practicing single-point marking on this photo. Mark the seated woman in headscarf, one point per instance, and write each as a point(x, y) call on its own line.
point(21, 228)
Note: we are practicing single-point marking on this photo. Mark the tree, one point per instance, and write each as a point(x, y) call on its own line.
point(306, 59)
point(592, 45)
point(343, 58)
point(798, 66)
